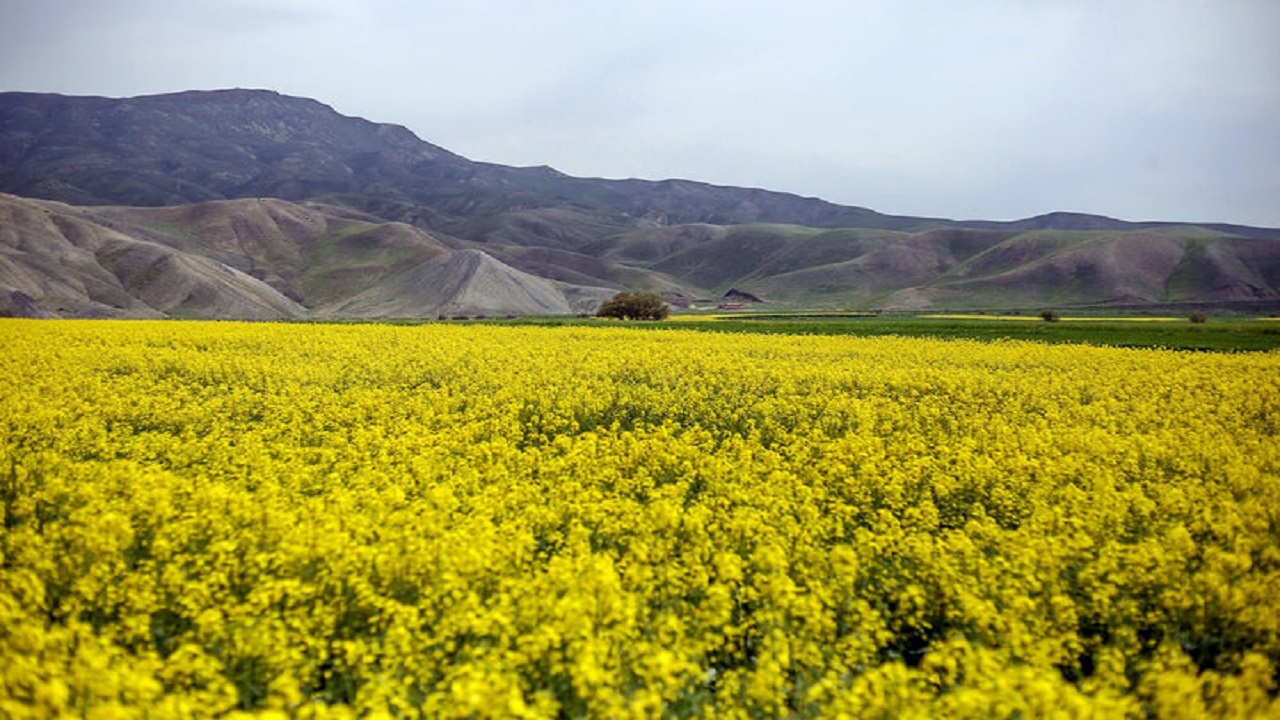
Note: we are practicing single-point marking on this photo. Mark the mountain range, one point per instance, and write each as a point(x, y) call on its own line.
point(252, 204)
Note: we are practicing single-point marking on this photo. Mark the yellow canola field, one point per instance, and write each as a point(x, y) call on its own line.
point(225, 519)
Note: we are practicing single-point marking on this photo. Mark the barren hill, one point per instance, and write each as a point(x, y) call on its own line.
point(250, 259)
point(466, 283)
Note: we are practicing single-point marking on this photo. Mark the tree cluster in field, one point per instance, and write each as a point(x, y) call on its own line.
point(634, 306)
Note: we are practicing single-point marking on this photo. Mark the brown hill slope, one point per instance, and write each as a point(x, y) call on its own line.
point(252, 259)
point(957, 268)
point(269, 258)
point(462, 283)
point(1145, 267)
point(56, 260)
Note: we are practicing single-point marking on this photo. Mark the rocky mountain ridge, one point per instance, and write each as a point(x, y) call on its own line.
point(248, 203)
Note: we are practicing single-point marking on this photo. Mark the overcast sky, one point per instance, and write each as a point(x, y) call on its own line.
point(993, 109)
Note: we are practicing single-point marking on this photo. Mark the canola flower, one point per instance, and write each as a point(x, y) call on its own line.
point(260, 520)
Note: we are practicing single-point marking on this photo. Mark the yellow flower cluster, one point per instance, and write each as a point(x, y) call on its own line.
point(232, 520)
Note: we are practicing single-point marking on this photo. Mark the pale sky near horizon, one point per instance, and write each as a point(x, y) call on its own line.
point(991, 109)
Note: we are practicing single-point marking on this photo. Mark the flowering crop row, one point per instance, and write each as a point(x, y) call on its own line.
point(205, 519)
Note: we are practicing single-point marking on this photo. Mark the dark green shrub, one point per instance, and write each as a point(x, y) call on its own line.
point(628, 305)
point(1049, 315)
